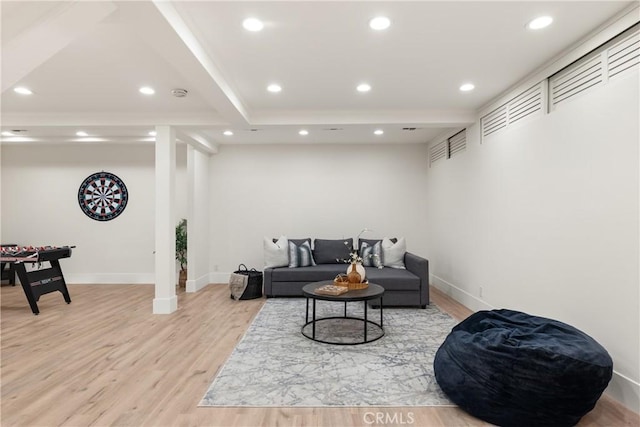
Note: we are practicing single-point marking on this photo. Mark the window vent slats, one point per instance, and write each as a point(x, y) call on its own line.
point(624, 55)
point(449, 147)
point(613, 59)
point(438, 152)
point(526, 104)
point(458, 143)
point(577, 79)
point(494, 121)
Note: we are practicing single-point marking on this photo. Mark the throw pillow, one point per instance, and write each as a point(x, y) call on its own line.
point(372, 242)
point(276, 254)
point(393, 253)
point(331, 251)
point(300, 255)
point(372, 255)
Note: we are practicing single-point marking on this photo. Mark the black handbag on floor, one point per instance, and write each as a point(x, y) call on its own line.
point(253, 280)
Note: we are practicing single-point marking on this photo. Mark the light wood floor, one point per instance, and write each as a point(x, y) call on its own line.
point(106, 360)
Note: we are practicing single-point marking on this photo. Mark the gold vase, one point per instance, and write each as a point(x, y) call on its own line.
point(354, 276)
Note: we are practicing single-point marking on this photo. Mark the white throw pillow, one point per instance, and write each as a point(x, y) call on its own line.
point(276, 254)
point(393, 253)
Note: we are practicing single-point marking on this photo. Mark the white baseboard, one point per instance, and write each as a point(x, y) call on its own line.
point(462, 296)
point(165, 305)
point(621, 388)
point(624, 390)
point(197, 284)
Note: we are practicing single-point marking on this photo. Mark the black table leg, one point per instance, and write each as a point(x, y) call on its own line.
point(345, 309)
point(365, 321)
point(306, 316)
point(313, 327)
point(26, 286)
point(381, 324)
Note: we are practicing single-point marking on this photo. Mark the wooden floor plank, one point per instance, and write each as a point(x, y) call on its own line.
point(106, 360)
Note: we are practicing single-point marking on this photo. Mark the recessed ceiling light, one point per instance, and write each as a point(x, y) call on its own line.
point(304, 132)
point(274, 88)
point(81, 133)
point(380, 23)
point(147, 90)
point(363, 87)
point(7, 133)
point(467, 87)
point(378, 131)
point(252, 24)
point(540, 22)
point(227, 133)
point(152, 133)
point(22, 90)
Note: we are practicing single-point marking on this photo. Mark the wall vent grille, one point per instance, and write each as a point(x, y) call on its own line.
point(615, 58)
point(438, 152)
point(457, 143)
point(624, 55)
point(526, 104)
point(449, 147)
point(494, 121)
point(576, 79)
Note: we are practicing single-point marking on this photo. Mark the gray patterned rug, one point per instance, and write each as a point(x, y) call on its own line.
point(274, 365)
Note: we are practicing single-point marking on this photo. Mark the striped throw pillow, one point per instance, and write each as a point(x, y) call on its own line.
point(300, 255)
point(372, 255)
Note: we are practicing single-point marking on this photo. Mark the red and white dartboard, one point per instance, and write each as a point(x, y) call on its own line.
point(102, 196)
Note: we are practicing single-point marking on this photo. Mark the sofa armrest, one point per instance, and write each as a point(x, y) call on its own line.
point(420, 267)
point(268, 290)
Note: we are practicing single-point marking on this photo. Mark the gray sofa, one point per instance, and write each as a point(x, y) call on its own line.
point(403, 287)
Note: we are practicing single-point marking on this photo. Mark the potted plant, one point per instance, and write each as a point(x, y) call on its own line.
point(181, 251)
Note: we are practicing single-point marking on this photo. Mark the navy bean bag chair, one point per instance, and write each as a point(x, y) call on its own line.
point(513, 369)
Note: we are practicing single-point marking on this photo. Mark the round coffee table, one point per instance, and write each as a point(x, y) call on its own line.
point(372, 292)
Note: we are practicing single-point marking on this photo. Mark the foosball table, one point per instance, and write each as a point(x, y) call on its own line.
point(38, 281)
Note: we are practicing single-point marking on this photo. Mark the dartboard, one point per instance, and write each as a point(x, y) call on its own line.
point(102, 196)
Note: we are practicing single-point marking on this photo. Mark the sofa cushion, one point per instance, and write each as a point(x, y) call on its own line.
point(393, 253)
point(330, 251)
point(276, 254)
point(393, 279)
point(300, 255)
point(308, 274)
point(371, 255)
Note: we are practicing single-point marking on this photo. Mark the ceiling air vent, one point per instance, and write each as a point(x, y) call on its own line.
point(179, 93)
point(409, 129)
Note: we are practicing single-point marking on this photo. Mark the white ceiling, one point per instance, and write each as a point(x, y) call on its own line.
point(85, 61)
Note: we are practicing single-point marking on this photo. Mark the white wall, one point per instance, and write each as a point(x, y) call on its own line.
point(39, 207)
point(317, 191)
point(544, 217)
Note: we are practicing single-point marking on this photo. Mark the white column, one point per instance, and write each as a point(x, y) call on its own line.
point(165, 300)
point(197, 219)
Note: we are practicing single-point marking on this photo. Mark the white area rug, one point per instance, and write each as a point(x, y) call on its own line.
point(274, 365)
